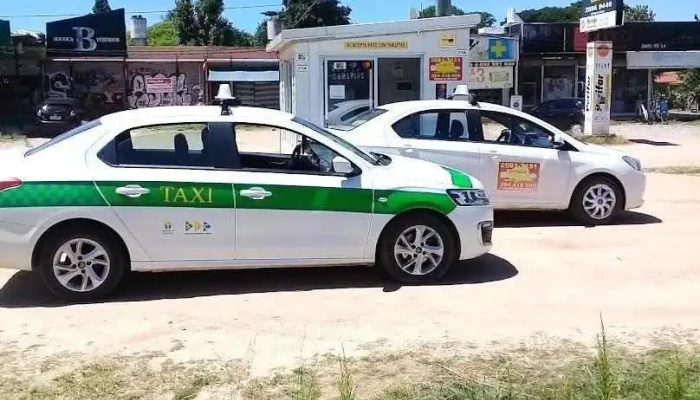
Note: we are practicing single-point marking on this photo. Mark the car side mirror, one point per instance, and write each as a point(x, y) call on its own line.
point(558, 141)
point(342, 166)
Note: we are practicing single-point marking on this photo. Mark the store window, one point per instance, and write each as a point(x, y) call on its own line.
point(558, 82)
point(349, 88)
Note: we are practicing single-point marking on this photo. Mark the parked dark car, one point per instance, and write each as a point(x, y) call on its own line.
point(566, 114)
point(55, 116)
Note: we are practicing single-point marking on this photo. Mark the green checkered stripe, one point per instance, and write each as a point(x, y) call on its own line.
point(52, 194)
point(284, 197)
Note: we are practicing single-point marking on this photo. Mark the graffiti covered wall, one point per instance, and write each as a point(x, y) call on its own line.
point(99, 86)
point(186, 84)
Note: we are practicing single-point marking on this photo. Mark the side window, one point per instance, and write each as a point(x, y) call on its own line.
point(435, 125)
point(273, 149)
point(166, 145)
point(508, 129)
point(354, 113)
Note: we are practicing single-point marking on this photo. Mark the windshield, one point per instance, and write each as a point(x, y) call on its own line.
point(66, 135)
point(365, 156)
point(359, 119)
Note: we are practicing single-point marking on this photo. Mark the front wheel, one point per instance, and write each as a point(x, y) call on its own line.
point(417, 249)
point(80, 266)
point(597, 201)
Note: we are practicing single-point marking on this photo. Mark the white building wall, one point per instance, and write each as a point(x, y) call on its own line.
point(308, 58)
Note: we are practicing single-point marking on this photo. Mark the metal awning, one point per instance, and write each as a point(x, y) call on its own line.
point(244, 76)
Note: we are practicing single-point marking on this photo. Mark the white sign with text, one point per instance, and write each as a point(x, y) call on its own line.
point(599, 57)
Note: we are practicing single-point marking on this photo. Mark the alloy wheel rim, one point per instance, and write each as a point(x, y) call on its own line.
point(81, 265)
point(599, 201)
point(419, 250)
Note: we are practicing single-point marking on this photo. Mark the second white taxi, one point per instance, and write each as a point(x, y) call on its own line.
point(187, 188)
point(523, 162)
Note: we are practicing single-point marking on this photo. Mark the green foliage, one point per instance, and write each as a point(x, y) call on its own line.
point(571, 13)
point(260, 35)
point(162, 34)
point(101, 6)
point(487, 19)
point(184, 23)
point(313, 13)
point(639, 13)
point(690, 86)
point(203, 24)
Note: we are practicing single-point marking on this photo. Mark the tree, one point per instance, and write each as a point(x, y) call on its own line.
point(313, 13)
point(101, 6)
point(260, 35)
point(639, 14)
point(211, 23)
point(487, 19)
point(571, 13)
point(162, 34)
point(184, 23)
point(690, 86)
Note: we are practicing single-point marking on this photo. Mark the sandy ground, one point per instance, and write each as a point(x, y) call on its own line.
point(545, 276)
point(661, 145)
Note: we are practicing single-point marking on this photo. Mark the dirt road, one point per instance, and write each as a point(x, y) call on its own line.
point(543, 276)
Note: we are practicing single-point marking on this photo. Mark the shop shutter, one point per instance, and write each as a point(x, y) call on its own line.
point(258, 94)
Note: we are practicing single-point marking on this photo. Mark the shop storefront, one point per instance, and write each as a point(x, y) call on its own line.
point(553, 59)
point(330, 74)
point(492, 64)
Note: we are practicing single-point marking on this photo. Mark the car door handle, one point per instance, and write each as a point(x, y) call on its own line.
point(494, 154)
point(132, 191)
point(408, 150)
point(255, 193)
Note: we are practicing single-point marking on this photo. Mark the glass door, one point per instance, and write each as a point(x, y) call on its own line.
point(349, 89)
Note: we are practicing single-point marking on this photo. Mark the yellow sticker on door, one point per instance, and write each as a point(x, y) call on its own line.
point(518, 177)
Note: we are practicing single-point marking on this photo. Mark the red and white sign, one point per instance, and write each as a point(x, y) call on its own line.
point(159, 85)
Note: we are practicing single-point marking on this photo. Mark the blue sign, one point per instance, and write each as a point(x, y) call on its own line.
point(501, 49)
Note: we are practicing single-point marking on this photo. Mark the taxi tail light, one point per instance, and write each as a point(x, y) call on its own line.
point(9, 183)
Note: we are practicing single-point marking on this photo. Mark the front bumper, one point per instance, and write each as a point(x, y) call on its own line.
point(475, 227)
point(634, 183)
point(15, 245)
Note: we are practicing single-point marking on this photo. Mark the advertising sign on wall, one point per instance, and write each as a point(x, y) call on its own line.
point(490, 77)
point(600, 14)
point(599, 57)
point(375, 45)
point(446, 69)
point(159, 84)
point(102, 35)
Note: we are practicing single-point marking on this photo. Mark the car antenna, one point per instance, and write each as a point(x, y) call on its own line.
point(225, 99)
point(461, 92)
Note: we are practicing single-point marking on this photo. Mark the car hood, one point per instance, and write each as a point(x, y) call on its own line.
point(596, 149)
point(410, 172)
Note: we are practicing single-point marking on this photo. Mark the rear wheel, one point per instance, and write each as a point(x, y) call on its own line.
point(80, 266)
point(417, 249)
point(597, 201)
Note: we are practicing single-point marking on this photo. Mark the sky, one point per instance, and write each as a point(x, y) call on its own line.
point(17, 11)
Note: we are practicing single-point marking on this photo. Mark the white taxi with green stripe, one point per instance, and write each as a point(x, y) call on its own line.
point(191, 188)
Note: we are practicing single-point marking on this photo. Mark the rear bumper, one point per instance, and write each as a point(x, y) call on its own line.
point(474, 225)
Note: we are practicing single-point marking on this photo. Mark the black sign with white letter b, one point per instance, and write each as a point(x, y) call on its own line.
point(94, 35)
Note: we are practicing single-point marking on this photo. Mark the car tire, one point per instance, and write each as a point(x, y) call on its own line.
point(81, 265)
point(597, 201)
point(400, 252)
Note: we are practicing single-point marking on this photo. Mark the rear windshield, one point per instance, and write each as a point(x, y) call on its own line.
point(66, 135)
point(359, 119)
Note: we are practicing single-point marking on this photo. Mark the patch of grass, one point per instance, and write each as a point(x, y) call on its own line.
point(692, 170)
point(610, 140)
point(346, 385)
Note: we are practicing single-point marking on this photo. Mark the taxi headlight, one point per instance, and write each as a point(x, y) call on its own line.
point(469, 197)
